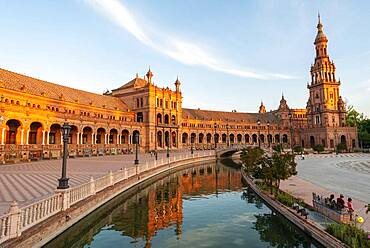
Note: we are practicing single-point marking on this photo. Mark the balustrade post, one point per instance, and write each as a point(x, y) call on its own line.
point(155, 163)
point(65, 198)
point(92, 186)
point(14, 220)
point(125, 173)
point(110, 178)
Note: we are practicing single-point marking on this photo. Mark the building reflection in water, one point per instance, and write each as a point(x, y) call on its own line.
point(154, 207)
point(159, 206)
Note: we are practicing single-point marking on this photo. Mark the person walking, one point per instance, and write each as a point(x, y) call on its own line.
point(350, 208)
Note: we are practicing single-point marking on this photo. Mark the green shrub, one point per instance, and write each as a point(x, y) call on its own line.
point(341, 147)
point(349, 234)
point(285, 199)
point(298, 149)
point(278, 148)
point(318, 148)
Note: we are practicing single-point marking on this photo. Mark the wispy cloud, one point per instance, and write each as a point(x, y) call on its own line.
point(185, 52)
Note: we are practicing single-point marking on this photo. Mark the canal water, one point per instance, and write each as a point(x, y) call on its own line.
point(203, 206)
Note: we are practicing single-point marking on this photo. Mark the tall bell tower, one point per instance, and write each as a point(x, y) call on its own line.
point(325, 107)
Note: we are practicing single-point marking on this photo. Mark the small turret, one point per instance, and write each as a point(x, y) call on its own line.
point(177, 84)
point(149, 76)
point(262, 108)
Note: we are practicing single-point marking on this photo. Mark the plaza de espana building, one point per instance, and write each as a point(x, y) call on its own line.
point(33, 111)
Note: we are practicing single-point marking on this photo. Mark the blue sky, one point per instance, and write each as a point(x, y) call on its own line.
point(227, 54)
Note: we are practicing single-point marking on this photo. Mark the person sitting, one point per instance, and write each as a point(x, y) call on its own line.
point(340, 202)
point(350, 208)
point(331, 201)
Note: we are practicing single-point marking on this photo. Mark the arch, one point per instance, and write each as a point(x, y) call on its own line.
point(125, 136)
point(136, 137)
point(285, 138)
point(232, 138)
point(262, 138)
point(13, 131)
point(269, 138)
point(159, 119)
point(113, 135)
point(200, 138)
point(174, 139)
point(254, 138)
point(140, 117)
point(159, 139)
point(167, 138)
point(247, 138)
point(73, 135)
point(216, 138)
point(173, 120)
point(343, 140)
point(312, 141)
point(209, 138)
point(223, 137)
point(185, 138)
point(239, 138)
point(55, 135)
point(192, 138)
point(100, 135)
point(87, 135)
point(277, 138)
point(166, 119)
point(35, 134)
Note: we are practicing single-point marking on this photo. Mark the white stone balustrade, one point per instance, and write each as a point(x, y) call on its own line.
point(18, 219)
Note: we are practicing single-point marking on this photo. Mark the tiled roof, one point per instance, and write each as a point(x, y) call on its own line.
point(136, 82)
point(18, 82)
point(229, 116)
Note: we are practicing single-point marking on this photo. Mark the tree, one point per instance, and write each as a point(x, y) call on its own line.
point(284, 166)
point(355, 119)
point(251, 158)
point(274, 169)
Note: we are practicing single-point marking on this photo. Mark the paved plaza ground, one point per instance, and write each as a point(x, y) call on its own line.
point(30, 182)
point(347, 174)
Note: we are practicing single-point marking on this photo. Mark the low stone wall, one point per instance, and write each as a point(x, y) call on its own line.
point(308, 227)
point(41, 233)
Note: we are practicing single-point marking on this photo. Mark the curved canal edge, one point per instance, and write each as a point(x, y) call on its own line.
point(43, 232)
point(311, 229)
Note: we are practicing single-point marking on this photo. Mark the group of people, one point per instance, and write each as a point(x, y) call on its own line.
point(339, 203)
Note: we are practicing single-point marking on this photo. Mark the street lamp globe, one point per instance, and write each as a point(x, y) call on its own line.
point(66, 129)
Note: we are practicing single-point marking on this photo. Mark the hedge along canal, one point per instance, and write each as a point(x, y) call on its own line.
point(203, 205)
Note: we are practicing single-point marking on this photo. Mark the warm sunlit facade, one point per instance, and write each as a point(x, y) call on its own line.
point(32, 112)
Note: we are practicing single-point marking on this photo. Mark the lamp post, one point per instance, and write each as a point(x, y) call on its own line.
point(259, 132)
point(136, 137)
point(63, 181)
point(227, 137)
point(168, 144)
point(268, 133)
point(335, 140)
point(291, 131)
point(214, 137)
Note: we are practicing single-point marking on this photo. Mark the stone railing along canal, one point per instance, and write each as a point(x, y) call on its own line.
point(17, 220)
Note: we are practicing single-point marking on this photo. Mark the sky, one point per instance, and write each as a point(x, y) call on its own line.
point(228, 55)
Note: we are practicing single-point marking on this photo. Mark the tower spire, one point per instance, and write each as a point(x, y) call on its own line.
point(149, 75)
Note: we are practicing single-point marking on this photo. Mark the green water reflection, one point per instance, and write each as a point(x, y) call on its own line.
point(204, 206)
